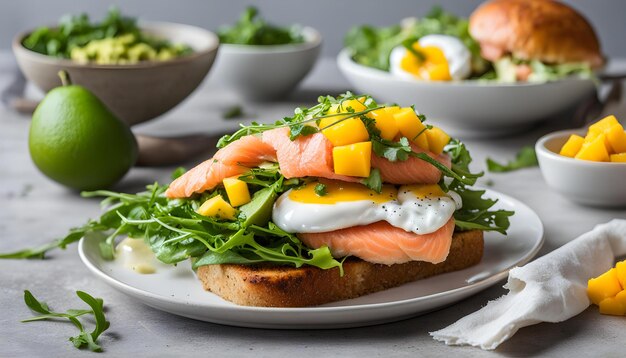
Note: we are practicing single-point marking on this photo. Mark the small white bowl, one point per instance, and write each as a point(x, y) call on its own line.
point(470, 108)
point(585, 182)
point(265, 72)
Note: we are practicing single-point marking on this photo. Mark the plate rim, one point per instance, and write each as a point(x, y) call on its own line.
point(232, 307)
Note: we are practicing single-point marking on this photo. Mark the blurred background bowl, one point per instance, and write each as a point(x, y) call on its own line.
point(470, 108)
point(266, 72)
point(589, 183)
point(138, 92)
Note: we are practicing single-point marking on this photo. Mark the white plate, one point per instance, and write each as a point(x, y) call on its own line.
point(470, 108)
point(176, 289)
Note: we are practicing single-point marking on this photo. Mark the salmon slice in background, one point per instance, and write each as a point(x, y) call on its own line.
point(412, 170)
point(205, 176)
point(234, 159)
point(248, 151)
point(385, 244)
point(306, 156)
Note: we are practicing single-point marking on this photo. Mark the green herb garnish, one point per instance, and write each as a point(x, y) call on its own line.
point(84, 338)
point(253, 30)
point(77, 31)
point(525, 158)
point(320, 189)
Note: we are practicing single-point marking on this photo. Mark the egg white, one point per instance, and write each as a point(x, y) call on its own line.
point(455, 52)
point(408, 212)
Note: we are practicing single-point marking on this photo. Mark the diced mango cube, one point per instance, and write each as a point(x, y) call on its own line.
point(572, 146)
point(342, 131)
point(237, 191)
point(353, 160)
point(612, 306)
point(217, 207)
point(356, 105)
point(618, 158)
point(603, 125)
point(617, 139)
point(603, 286)
point(392, 109)
point(385, 123)
point(594, 150)
point(437, 139)
point(621, 296)
point(620, 269)
point(411, 127)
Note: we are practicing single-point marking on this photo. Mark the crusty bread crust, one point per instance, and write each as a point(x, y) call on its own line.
point(544, 30)
point(281, 286)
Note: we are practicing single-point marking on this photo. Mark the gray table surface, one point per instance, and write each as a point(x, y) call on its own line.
point(34, 210)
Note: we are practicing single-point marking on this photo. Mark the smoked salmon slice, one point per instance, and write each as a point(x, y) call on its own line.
point(205, 176)
point(248, 151)
point(412, 170)
point(385, 244)
point(309, 156)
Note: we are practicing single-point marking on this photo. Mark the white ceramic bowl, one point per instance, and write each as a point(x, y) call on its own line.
point(590, 183)
point(266, 72)
point(469, 108)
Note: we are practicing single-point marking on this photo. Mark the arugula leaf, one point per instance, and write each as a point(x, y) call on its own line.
point(84, 338)
point(39, 252)
point(525, 158)
point(252, 30)
point(475, 212)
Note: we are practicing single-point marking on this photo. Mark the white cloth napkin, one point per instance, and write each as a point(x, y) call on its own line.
point(552, 288)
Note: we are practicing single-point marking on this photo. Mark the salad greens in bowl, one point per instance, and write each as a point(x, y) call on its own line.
point(134, 67)
point(261, 61)
point(434, 62)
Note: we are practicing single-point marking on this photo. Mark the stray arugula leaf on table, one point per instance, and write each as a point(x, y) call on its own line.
point(84, 338)
point(233, 112)
point(525, 158)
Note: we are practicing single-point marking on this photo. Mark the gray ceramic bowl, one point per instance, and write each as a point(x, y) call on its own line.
point(260, 73)
point(135, 93)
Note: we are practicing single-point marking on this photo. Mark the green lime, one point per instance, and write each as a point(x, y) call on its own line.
point(75, 140)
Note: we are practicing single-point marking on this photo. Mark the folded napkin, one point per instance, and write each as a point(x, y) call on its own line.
point(552, 288)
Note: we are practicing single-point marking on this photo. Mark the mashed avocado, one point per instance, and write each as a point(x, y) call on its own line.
point(124, 49)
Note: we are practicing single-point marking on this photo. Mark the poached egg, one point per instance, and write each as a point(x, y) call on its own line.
point(440, 58)
point(421, 209)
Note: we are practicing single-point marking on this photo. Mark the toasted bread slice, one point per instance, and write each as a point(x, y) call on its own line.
point(285, 286)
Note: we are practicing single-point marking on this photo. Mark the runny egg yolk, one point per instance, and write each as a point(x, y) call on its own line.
point(431, 64)
point(337, 192)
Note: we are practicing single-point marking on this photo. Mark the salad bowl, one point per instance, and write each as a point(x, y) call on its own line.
point(134, 92)
point(472, 108)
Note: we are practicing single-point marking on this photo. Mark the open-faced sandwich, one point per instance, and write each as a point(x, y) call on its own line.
point(345, 198)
